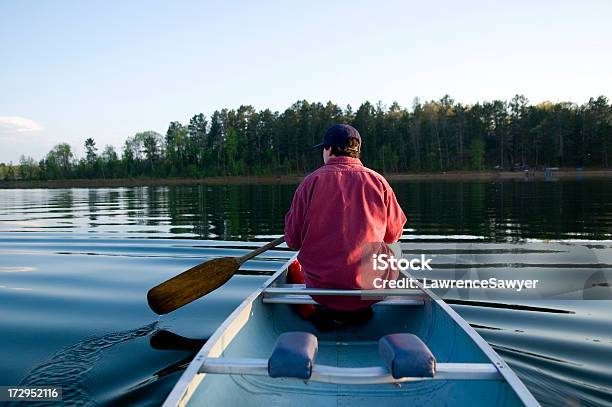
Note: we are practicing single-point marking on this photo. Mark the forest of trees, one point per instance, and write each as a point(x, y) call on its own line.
point(437, 135)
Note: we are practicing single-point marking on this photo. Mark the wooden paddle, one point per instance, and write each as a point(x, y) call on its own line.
point(199, 280)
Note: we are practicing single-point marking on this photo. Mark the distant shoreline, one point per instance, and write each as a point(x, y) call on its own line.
point(295, 179)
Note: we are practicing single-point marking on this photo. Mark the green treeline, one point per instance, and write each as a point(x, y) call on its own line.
point(432, 136)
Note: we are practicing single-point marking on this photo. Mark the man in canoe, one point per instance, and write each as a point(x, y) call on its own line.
point(339, 213)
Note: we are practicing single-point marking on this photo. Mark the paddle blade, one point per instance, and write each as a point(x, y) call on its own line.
point(191, 284)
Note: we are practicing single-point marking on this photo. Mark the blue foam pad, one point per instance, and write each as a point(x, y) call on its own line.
point(293, 355)
point(406, 356)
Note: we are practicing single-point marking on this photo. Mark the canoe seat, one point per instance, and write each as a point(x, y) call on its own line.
point(293, 355)
point(405, 355)
point(353, 375)
point(374, 293)
point(300, 294)
point(307, 299)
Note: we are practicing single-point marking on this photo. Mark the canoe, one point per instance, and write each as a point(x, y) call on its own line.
point(350, 366)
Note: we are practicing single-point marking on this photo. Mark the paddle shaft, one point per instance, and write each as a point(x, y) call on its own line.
point(262, 249)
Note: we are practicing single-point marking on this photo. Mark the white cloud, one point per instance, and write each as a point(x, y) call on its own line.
point(14, 125)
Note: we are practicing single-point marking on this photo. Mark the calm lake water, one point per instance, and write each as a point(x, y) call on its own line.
point(75, 266)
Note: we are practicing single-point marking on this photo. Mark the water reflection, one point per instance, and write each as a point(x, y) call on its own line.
point(440, 211)
point(70, 367)
point(512, 211)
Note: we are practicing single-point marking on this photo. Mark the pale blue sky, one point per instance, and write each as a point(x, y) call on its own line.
point(106, 69)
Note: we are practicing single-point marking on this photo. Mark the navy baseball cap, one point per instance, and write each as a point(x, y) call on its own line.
point(338, 135)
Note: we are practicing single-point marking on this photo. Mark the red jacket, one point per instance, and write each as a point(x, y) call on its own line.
point(337, 214)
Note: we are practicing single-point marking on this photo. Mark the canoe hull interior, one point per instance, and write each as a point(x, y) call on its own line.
point(252, 330)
